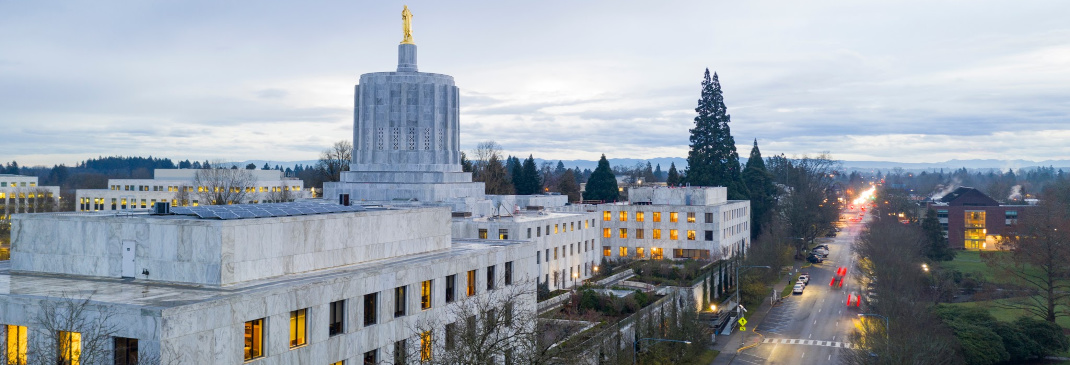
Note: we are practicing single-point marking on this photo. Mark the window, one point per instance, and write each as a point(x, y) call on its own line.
point(343, 362)
point(451, 332)
point(657, 216)
point(623, 233)
point(639, 233)
point(16, 345)
point(509, 273)
point(425, 294)
point(529, 232)
point(606, 251)
point(639, 216)
point(623, 216)
point(556, 229)
point(298, 325)
point(125, 350)
point(471, 283)
point(555, 253)
point(606, 216)
point(639, 252)
point(690, 217)
point(371, 357)
point(70, 348)
point(490, 277)
point(673, 217)
point(656, 253)
point(657, 234)
point(709, 235)
point(607, 233)
point(538, 257)
point(508, 315)
point(425, 346)
point(254, 339)
point(399, 301)
point(400, 356)
point(571, 249)
point(538, 231)
point(503, 234)
point(338, 315)
point(709, 217)
point(482, 233)
point(690, 235)
point(451, 288)
point(587, 225)
point(571, 226)
point(975, 229)
point(623, 251)
point(673, 235)
point(371, 302)
point(941, 213)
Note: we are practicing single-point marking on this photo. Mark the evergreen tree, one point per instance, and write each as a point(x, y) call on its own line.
point(250, 166)
point(648, 174)
point(530, 179)
point(560, 168)
point(762, 191)
point(938, 249)
point(196, 165)
point(495, 178)
point(515, 168)
point(713, 160)
point(266, 167)
point(673, 179)
point(567, 185)
point(602, 185)
point(466, 164)
point(658, 174)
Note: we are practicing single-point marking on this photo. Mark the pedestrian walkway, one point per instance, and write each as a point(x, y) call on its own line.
point(730, 345)
point(791, 341)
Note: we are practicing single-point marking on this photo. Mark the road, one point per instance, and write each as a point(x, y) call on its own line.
point(812, 328)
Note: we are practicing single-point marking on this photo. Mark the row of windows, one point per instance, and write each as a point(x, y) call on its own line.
point(656, 253)
point(68, 347)
point(735, 229)
point(254, 330)
point(25, 195)
point(735, 213)
point(573, 248)
point(95, 204)
point(655, 216)
point(5, 184)
point(561, 278)
point(640, 234)
point(201, 189)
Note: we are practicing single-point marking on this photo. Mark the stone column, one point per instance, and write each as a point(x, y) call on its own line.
point(407, 58)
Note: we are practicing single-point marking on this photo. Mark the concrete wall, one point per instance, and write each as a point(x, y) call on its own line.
point(660, 195)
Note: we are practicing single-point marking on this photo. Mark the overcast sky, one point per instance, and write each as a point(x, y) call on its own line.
point(910, 81)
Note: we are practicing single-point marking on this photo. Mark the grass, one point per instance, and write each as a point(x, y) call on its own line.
point(705, 358)
point(1008, 314)
point(789, 287)
point(969, 262)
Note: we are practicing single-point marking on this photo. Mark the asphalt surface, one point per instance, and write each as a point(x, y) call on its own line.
point(812, 328)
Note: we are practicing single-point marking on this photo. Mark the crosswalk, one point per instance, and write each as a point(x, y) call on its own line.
point(791, 341)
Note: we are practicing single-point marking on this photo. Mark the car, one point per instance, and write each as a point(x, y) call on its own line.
point(805, 277)
point(830, 234)
point(814, 259)
point(800, 281)
point(798, 289)
point(824, 246)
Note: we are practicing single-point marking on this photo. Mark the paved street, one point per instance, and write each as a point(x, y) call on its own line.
point(811, 328)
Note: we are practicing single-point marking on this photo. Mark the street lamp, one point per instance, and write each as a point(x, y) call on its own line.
point(575, 276)
point(925, 267)
point(635, 345)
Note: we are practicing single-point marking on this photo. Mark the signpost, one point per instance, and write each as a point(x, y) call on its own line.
point(742, 323)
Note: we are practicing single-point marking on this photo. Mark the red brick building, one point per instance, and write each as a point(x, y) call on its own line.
point(973, 220)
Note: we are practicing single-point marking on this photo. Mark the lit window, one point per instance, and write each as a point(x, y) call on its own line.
point(606, 251)
point(471, 283)
point(690, 235)
point(482, 234)
point(556, 229)
point(607, 233)
point(503, 234)
point(639, 252)
point(623, 233)
point(254, 339)
point(657, 216)
point(606, 216)
point(298, 324)
point(673, 217)
point(657, 234)
point(639, 233)
point(639, 216)
point(690, 217)
point(425, 346)
point(623, 251)
point(656, 253)
point(425, 294)
point(16, 345)
point(70, 347)
point(673, 235)
point(586, 224)
point(623, 216)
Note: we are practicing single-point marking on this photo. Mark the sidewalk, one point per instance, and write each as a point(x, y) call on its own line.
point(729, 345)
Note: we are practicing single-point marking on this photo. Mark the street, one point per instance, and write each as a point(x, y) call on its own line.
point(812, 328)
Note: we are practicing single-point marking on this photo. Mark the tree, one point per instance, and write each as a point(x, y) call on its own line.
point(466, 164)
point(250, 166)
point(659, 175)
point(603, 184)
point(493, 175)
point(713, 160)
point(938, 249)
point(1036, 256)
point(334, 160)
point(530, 180)
point(762, 191)
point(809, 205)
point(673, 179)
point(223, 186)
point(567, 186)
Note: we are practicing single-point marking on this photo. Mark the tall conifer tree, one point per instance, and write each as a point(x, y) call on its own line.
point(602, 185)
point(530, 179)
point(762, 191)
point(713, 160)
point(674, 176)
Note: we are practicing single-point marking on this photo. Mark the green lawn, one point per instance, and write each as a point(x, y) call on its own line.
point(1008, 314)
point(789, 287)
point(704, 359)
point(970, 262)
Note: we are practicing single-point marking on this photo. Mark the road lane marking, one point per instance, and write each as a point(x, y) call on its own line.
point(830, 357)
point(803, 356)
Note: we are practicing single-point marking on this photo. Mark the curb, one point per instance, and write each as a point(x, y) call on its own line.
point(752, 345)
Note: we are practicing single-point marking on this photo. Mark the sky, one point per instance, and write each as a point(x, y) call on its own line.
point(907, 81)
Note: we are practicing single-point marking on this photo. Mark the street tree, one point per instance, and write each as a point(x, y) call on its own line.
point(603, 184)
point(673, 178)
point(223, 186)
point(333, 161)
point(530, 179)
point(567, 185)
point(713, 160)
point(938, 248)
point(762, 191)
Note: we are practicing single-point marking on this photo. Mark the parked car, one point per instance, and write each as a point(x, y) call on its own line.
point(800, 281)
point(814, 259)
point(798, 289)
point(830, 234)
point(805, 277)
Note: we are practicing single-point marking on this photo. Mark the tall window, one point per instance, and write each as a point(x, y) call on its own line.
point(709, 217)
point(623, 251)
point(557, 229)
point(639, 252)
point(639, 233)
point(555, 253)
point(16, 345)
point(673, 235)
point(70, 348)
point(400, 354)
point(606, 251)
point(606, 216)
point(425, 294)
point(451, 333)
point(656, 253)
point(254, 339)
point(371, 304)
point(490, 277)
point(399, 301)
point(338, 315)
point(371, 357)
point(657, 216)
point(297, 328)
point(482, 234)
point(623, 233)
point(657, 234)
point(425, 346)
point(673, 217)
point(509, 273)
point(607, 233)
point(623, 216)
point(471, 283)
point(975, 229)
point(451, 288)
point(125, 350)
point(529, 232)
point(639, 216)
point(690, 217)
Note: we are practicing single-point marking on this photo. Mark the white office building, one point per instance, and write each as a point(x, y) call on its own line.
point(21, 194)
point(180, 188)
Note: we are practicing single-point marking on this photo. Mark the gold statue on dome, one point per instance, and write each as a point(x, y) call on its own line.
point(406, 25)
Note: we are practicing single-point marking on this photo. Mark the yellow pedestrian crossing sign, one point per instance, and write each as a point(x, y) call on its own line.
point(741, 328)
point(742, 323)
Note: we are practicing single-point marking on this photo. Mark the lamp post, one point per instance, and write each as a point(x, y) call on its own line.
point(635, 345)
point(575, 276)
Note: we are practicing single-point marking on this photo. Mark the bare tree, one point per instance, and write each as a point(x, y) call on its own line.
point(184, 195)
point(223, 186)
point(809, 205)
point(489, 169)
point(70, 330)
point(334, 160)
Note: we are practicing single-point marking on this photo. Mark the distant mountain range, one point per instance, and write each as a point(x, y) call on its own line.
point(681, 163)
